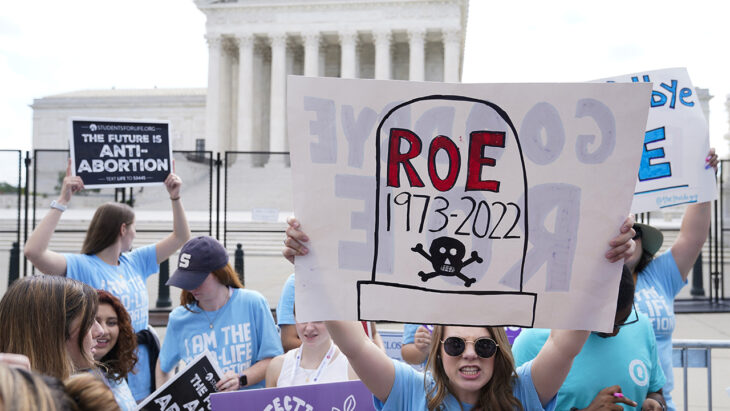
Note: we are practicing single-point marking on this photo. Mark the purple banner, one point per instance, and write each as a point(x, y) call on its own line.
point(512, 333)
point(337, 396)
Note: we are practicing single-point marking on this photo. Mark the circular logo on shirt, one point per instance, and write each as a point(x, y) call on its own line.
point(639, 373)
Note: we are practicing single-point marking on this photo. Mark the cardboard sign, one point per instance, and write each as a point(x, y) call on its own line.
point(676, 143)
point(472, 204)
point(189, 389)
point(110, 153)
point(337, 396)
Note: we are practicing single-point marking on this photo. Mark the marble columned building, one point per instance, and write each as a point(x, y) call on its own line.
point(254, 45)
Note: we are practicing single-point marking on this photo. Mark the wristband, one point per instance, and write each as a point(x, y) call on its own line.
point(175, 198)
point(58, 206)
point(243, 379)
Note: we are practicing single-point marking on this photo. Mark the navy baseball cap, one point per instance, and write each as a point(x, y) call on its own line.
point(198, 258)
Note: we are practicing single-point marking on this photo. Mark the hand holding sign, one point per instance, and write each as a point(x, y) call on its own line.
point(173, 184)
point(622, 246)
point(71, 185)
point(294, 240)
point(229, 382)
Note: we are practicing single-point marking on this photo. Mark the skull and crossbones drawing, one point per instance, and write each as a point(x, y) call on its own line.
point(447, 259)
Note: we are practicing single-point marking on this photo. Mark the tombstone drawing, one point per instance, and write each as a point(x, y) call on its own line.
point(450, 174)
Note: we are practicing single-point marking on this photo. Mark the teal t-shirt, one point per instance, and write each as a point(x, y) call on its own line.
point(656, 287)
point(629, 360)
point(409, 393)
point(243, 334)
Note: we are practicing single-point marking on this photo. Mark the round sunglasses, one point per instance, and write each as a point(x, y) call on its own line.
point(485, 347)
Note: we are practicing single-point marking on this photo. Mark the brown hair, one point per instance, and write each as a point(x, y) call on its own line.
point(90, 393)
point(35, 318)
point(225, 275)
point(120, 360)
point(105, 225)
point(23, 390)
point(496, 394)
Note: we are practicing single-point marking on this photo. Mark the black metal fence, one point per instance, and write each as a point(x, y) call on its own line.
point(239, 211)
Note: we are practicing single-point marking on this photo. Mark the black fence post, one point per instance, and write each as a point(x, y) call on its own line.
point(27, 163)
point(14, 271)
point(698, 287)
point(238, 263)
point(163, 291)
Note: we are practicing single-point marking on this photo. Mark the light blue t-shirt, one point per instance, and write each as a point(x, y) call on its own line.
point(409, 393)
point(126, 281)
point(629, 360)
point(409, 334)
point(656, 287)
point(285, 308)
point(122, 394)
point(243, 334)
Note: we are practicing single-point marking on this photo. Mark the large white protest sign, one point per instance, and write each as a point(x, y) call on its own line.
point(672, 169)
point(462, 203)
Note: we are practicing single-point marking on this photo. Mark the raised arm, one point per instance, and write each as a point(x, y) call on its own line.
point(180, 230)
point(370, 363)
point(694, 229)
point(554, 360)
point(36, 249)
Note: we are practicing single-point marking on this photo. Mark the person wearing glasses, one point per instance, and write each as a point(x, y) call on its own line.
point(659, 280)
point(470, 367)
point(620, 367)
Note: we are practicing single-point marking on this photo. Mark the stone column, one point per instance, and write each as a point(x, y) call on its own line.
point(417, 61)
point(245, 93)
point(212, 101)
point(452, 62)
point(348, 54)
point(382, 54)
point(277, 117)
point(311, 54)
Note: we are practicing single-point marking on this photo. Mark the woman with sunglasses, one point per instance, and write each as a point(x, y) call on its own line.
point(470, 367)
point(659, 280)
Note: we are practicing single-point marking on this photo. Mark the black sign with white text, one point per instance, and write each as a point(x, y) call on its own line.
point(189, 389)
point(120, 153)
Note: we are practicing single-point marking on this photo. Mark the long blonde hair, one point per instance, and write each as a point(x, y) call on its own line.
point(496, 394)
point(35, 319)
point(22, 390)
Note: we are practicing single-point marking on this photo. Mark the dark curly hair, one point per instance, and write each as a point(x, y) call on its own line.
point(122, 358)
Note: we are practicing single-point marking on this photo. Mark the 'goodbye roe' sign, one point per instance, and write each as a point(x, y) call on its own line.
point(676, 142)
point(462, 204)
point(120, 153)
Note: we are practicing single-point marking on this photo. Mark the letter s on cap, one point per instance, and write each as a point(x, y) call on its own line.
point(184, 260)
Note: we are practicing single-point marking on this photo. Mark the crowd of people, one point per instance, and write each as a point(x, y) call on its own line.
point(77, 337)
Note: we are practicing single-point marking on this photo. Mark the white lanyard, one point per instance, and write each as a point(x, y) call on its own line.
point(321, 367)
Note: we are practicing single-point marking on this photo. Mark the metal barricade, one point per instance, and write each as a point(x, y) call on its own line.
point(696, 354)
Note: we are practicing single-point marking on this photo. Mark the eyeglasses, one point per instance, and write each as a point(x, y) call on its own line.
point(625, 323)
point(484, 347)
point(637, 229)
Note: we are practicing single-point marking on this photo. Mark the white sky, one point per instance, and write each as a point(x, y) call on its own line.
point(49, 47)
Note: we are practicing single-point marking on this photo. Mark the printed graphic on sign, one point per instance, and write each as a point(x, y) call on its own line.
point(189, 389)
point(338, 396)
point(110, 153)
point(672, 169)
point(449, 194)
point(473, 204)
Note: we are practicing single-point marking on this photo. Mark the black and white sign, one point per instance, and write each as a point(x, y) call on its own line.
point(189, 389)
point(109, 153)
